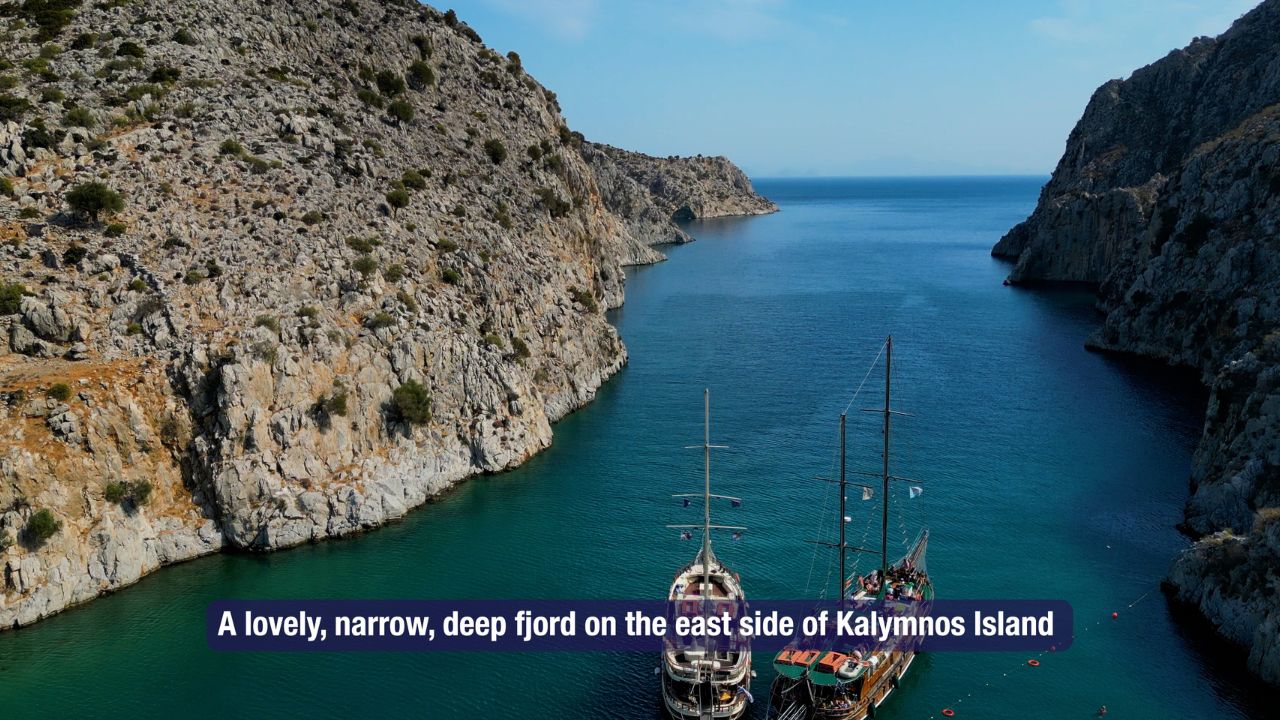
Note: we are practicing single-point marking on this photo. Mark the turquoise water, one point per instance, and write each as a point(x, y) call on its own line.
point(1050, 472)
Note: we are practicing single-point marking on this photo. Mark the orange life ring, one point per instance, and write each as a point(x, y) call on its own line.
point(948, 712)
point(1033, 663)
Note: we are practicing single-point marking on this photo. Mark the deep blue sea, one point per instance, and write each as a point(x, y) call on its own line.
point(1049, 472)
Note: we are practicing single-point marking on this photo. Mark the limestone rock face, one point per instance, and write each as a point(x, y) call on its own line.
point(653, 194)
point(325, 204)
point(685, 188)
point(1168, 198)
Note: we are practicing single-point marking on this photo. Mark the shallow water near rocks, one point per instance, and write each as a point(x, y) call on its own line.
point(1049, 472)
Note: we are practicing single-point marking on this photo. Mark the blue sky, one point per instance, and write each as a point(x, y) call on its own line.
point(824, 87)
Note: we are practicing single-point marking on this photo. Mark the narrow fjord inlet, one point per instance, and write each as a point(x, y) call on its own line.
point(357, 359)
point(1051, 472)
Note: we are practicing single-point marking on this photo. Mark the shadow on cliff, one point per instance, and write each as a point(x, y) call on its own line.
point(1228, 674)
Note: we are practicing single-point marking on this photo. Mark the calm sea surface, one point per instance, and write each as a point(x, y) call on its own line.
point(1049, 472)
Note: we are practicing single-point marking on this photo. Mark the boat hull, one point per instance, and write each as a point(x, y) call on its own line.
point(787, 696)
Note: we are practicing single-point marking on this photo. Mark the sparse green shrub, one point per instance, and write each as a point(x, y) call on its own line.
point(137, 492)
point(192, 277)
point(389, 83)
point(137, 285)
point(407, 300)
point(394, 273)
point(514, 66)
point(519, 349)
point(94, 197)
point(502, 215)
point(271, 322)
point(142, 90)
point(458, 211)
point(423, 43)
point(496, 151)
point(451, 276)
point(413, 180)
point(49, 16)
point(557, 206)
point(11, 298)
point(6, 187)
point(13, 108)
point(446, 245)
point(164, 74)
point(535, 153)
point(38, 136)
point(84, 41)
point(335, 403)
point(74, 254)
point(381, 320)
point(42, 525)
point(401, 111)
point(52, 95)
point(365, 265)
point(369, 97)
point(115, 230)
point(583, 298)
point(129, 48)
point(184, 37)
point(412, 403)
point(258, 165)
point(554, 163)
point(310, 312)
point(492, 340)
point(115, 492)
point(60, 392)
point(360, 245)
point(421, 75)
point(265, 351)
point(230, 146)
point(398, 199)
point(312, 217)
point(133, 328)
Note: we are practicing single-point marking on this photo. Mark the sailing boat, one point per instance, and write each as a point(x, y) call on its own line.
point(702, 680)
point(826, 683)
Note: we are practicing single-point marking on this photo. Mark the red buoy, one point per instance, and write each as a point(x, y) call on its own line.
point(1115, 615)
point(948, 712)
point(1033, 663)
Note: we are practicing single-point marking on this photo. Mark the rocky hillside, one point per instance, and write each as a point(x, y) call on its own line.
point(1168, 198)
point(277, 271)
point(652, 194)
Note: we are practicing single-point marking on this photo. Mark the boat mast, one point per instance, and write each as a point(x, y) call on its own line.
point(706, 493)
point(884, 521)
point(840, 583)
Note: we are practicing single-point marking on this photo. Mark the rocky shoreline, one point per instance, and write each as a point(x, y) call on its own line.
point(354, 257)
point(1167, 199)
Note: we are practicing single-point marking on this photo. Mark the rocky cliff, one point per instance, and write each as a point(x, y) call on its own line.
point(652, 194)
point(1168, 198)
point(272, 272)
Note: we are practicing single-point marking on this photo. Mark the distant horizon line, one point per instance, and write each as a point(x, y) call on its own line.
point(941, 176)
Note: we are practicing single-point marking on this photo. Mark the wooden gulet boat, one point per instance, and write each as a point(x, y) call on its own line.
point(831, 683)
point(702, 681)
